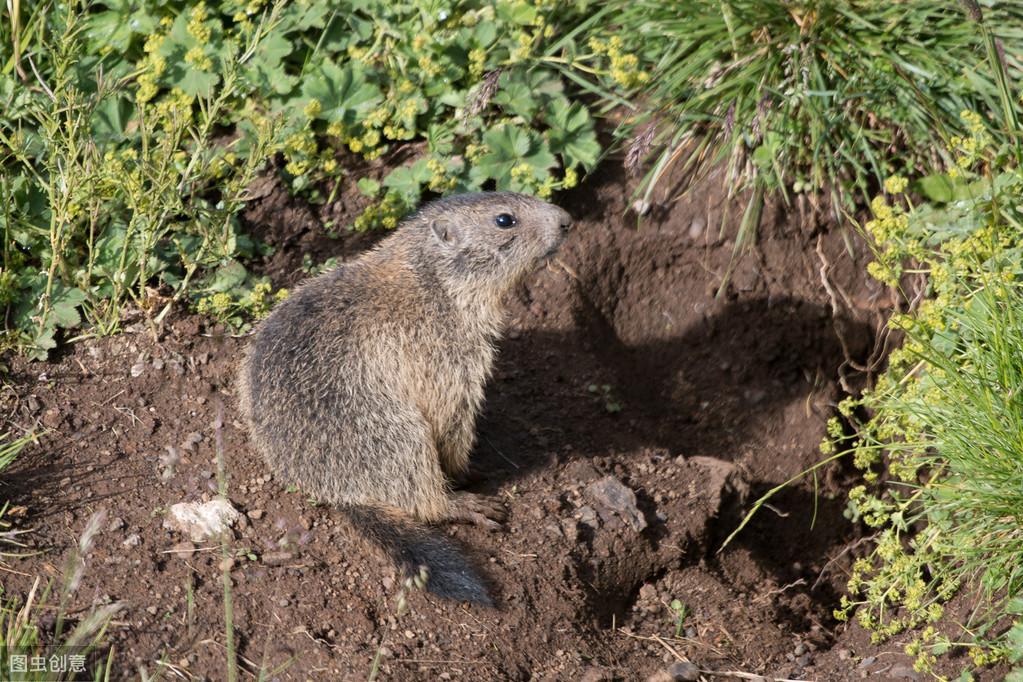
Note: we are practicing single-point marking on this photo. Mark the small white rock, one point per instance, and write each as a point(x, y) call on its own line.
point(641, 207)
point(201, 521)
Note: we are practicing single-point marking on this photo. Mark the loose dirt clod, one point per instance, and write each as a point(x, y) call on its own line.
point(611, 495)
point(684, 671)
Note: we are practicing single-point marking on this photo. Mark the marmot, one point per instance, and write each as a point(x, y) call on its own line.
point(364, 385)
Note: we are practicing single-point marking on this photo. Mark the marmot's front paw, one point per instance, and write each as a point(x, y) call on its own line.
point(481, 510)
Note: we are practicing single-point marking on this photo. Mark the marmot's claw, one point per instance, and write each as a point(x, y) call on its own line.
point(480, 510)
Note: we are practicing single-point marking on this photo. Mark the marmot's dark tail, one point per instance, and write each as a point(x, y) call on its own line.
point(411, 544)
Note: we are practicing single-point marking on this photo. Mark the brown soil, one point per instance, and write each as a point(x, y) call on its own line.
point(719, 399)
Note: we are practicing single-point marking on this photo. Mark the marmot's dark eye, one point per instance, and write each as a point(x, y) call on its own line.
point(504, 220)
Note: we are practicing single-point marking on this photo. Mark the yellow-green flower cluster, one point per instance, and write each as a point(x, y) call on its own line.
point(886, 273)
point(257, 304)
point(385, 213)
point(522, 173)
point(874, 511)
point(889, 230)
point(524, 49)
point(299, 149)
point(889, 223)
point(428, 67)
point(198, 27)
point(377, 118)
point(440, 179)
point(571, 179)
point(546, 188)
point(175, 106)
point(261, 299)
point(624, 67)
point(895, 184)
point(151, 67)
point(477, 63)
point(982, 657)
point(198, 58)
point(217, 305)
point(221, 165)
point(971, 149)
point(360, 140)
point(312, 108)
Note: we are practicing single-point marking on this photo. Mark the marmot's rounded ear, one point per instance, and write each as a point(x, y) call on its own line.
point(446, 232)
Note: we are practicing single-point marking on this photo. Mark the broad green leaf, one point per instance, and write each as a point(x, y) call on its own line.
point(227, 277)
point(937, 187)
point(1015, 639)
point(408, 180)
point(572, 134)
point(516, 12)
point(344, 93)
point(524, 93)
point(111, 117)
point(64, 306)
point(508, 147)
point(368, 187)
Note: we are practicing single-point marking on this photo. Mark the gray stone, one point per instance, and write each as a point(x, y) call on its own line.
point(684, 671)
point(903, 672)
point(615, 496)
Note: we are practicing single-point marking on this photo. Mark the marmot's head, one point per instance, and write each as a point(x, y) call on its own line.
point(491, 238)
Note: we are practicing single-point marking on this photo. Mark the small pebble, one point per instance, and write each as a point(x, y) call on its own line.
point(684, 671)
point(183, 550)
point(595, 674)
point(277, 558)
point(696, 227)
point(903, 672)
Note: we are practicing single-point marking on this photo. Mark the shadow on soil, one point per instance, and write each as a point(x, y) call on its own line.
point(711, 391)
point(704, 392)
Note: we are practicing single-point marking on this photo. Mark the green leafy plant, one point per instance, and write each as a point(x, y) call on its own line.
point(679, 614)
point(818, 97)
point(130, 131)
point(945, 419)
point(9, 450)
point(368, 78)
point(22, 638)
point(605, 395)
point(101, 210)
point(469, 81)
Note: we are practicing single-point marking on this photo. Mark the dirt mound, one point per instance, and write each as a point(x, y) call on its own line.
point(632, 417)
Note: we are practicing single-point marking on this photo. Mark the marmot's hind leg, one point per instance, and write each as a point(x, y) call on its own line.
point(403, 469)
point(398, 464)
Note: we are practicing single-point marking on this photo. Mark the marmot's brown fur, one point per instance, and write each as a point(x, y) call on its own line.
point(363, 386)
